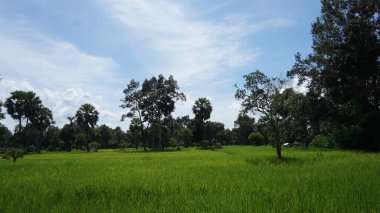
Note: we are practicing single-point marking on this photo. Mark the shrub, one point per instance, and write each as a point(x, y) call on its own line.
point(255, 138)
point(204, 143)
point(322, 141)
point(14, 154)
point(218, 146)
point(93, 146)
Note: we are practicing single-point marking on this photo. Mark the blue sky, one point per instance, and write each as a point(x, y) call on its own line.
point(73, 52)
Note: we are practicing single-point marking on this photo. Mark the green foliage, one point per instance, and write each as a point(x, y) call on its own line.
point(5, 137)
point(343, 72)
point(185, 136)
point(13, 153)
point(151, 104)
point(255, 138)
point(202, 109)
point(93, 146)
point(322, 141)
point(243, 127)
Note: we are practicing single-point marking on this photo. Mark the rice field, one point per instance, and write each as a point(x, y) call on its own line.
point(232, 179)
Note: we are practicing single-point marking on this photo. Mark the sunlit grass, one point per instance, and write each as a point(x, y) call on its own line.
point(233, 179)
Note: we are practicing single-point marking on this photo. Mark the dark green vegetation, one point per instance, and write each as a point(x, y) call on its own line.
point(233, 179)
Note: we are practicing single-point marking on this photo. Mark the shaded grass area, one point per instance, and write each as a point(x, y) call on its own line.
point(233, 179)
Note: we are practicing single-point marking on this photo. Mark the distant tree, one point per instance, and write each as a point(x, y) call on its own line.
point(255, 138)
point(243, 127)
point(160, 95)
point(133, 100)
point(185, 136)
point(211, 131)
point(22, 105)
point(119, 136)
point(5, 136)
point(135, 129)
point(87, 117)
point(105, 135)
point(225, 137)
point(257, 96)
point(202, 110)
point(41, 118)
point(52, 139)
point(151, 104)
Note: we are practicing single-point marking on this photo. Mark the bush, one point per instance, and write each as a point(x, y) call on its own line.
point(322, 141)
point(204, 143)
point(255, 138)
point(218, 146)
point(14, 154)
point(93, 146)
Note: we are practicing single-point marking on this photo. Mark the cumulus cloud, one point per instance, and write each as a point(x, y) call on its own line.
point(59, 72)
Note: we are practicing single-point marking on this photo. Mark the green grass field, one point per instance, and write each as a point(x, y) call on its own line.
point(233, 179)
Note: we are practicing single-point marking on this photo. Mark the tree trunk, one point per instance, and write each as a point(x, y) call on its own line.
point(159, 134)
point(278, 150)
point(19, 126)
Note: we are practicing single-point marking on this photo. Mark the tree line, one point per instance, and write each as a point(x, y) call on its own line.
point(340, 109)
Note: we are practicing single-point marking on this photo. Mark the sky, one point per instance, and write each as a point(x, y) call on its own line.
point(74, 52)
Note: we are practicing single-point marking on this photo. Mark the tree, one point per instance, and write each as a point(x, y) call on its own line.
point(185, 136)
point(202, 110)
point(41, 118)
point(24, 105)
point(255, 138)
point(257, 95)
point(5, 136)
point(344, 69)
point(152, 103)
point(87, 117)
point(133, 100)
point(243, 127)
point(105, 135)
point(160, 95)
point(2, 116)
point(119, 136)
point(14, 154)
point(52, 139)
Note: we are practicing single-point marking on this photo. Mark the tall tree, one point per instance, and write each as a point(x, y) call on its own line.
point(87, 117)
point(257, 95)
point(344, 68)
point(153, 102)
point(41, 118)
point(105, 135)
point(22, 105)
point(202, 110)
point(243, 127)
point(160, 95)
point(133, 100)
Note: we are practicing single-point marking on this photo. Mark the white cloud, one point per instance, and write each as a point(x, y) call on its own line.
point(190, 49)
point(202, 55)
point(59, 72)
